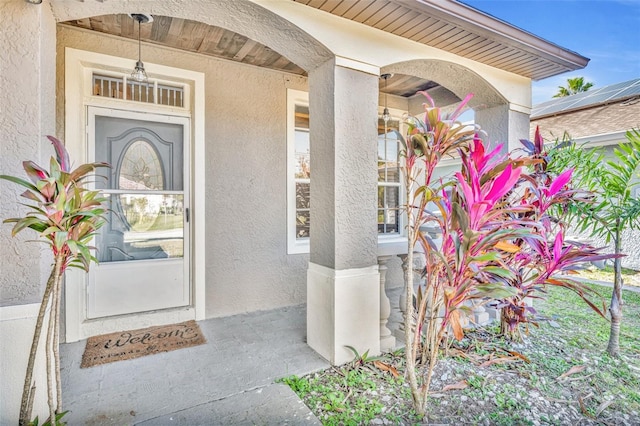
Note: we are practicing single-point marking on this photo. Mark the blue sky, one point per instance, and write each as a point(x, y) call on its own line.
point(606, 31)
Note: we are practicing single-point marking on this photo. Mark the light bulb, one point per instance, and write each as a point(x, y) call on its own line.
point(386, 116)
point(139, 74)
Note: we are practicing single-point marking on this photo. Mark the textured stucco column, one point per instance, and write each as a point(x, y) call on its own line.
point(504, 124)
point(343, 284)
point(27, 96)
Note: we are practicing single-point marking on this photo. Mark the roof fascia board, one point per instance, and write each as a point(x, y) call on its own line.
point(493, 28)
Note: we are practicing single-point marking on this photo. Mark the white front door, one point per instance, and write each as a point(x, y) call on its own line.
point(143, 249)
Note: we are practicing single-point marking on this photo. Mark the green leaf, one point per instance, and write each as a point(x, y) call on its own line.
point(73, 247)
point(487, 257)
point(60, 239)
point(496, 290)
point(501, 272)
point(20, 182)
point(50, 230)
point(26, 222)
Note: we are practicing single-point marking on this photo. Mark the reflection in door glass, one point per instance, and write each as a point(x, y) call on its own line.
point(142, 227)
point(141, 168)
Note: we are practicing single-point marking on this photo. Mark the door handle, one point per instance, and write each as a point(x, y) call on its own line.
point(186, 214)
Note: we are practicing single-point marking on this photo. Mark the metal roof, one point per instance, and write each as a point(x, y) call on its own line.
point(603, 95)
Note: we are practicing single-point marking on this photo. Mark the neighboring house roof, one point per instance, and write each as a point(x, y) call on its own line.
point(600, 116)
point(460, 29)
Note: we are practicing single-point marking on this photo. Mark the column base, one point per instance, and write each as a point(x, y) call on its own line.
point(343, 309)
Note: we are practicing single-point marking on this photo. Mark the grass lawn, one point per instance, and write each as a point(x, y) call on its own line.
point(558, 375)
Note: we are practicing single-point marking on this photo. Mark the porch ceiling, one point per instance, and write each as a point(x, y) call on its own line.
point(191, 36)
point(445, 24)
point(460, 29)
point(214, 41)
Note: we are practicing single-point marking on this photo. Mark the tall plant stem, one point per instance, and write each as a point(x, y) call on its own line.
point(409, 326)
point(28, 391)
point(48, 349)
point(56, 337)
point(51, 348)
point(433, 356)
point(616, 298)
point(57, 296)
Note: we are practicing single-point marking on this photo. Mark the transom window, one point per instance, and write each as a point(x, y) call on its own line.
point(299, 175)
point(154, 92)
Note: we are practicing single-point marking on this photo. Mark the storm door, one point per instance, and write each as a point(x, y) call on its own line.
point(143, 249)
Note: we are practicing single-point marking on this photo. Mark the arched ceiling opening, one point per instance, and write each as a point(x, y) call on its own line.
point(242, 18)
point(455, 78)
point(192, 36)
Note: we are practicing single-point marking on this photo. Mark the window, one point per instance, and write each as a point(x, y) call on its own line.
point(299, 176)
point(389, 186)
point(302, 174)
point(299, 172)
point(152, 93)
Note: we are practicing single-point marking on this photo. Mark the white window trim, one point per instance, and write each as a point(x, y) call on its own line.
point(302, 245)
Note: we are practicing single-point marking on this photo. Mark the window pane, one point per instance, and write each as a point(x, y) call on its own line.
point(388, 221)
point(141, 227)
point(388, 157)
point(302, 170)
point(392, 199)
point(302, 223)
point(388, 209)
point(303, 202)
point(302, 117)
point(302, 155)
point(303, 196)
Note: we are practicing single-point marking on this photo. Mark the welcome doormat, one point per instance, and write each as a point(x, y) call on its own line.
point(136, 343)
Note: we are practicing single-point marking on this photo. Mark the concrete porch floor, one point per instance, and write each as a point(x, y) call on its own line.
point(227, 381)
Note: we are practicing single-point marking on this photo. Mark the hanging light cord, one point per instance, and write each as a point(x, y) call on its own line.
point(385, 113)
point(139, 42)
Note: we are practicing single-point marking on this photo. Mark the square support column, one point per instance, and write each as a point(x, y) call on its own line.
point(343, 284)
point(504, 124)
point(343, 309)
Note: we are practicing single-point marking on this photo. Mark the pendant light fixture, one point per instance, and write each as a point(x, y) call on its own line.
point(385, 113)
point(139, 74)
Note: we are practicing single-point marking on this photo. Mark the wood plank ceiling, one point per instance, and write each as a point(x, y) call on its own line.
point(191, 36)
point(197, 37)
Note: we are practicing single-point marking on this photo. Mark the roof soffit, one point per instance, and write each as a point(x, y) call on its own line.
point(460, 29)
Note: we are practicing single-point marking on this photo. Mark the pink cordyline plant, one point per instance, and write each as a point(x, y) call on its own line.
point(547, 259)
point(472, 224)
point(66, 216)
point(494, 228)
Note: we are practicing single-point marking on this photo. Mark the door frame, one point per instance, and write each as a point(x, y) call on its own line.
point(92, 113)
point(78, 72)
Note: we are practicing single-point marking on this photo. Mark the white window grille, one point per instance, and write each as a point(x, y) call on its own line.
point(152, 92)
